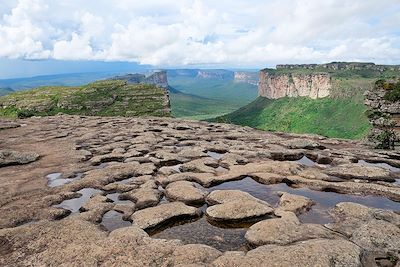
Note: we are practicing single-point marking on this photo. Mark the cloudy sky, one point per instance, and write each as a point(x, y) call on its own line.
point(218, 33)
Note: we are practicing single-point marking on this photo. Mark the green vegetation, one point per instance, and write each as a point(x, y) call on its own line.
point(200, 99)
point(104, 98)
point(343, 73)
point(343, 118)
point(393, 90)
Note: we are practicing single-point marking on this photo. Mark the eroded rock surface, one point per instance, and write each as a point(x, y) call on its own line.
point(145, 170)
point(11, 157)
point(153, 217)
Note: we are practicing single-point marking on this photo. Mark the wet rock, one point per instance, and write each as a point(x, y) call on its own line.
point(186, 192)
point(163, 213)
point(355, 171)
point(302, 143)
point(294, 203)
point(225, 196)
point(285, 230)
point(200, 165)
point(316, 252)
point(12, 157)
point(95, 208)
point(372, 229)
point(238, 211)
point(143, 197)
point(204, 179)
point(127, 210)
point(194, 254)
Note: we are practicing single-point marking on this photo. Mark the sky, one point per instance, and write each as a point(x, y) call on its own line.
point(194, 33)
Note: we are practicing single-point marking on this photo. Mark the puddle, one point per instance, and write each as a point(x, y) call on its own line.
point(325, 200)
point(382, 165)
point(201, 231)
point(306, 161)
point(215, 155)
point(76, 203)
point(113, 220)
point(115, 198)
point(54, 179)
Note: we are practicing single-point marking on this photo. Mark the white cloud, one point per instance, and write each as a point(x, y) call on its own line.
point(202, 32)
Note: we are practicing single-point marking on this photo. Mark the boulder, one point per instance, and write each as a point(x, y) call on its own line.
point(294, 203)
point(186, 192)
point(285, 230)
point(11, 157)
point(155, 216)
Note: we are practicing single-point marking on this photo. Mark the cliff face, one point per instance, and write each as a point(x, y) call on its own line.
point(103, 98)
point(275, 86)
point(384, 115)
point(246, 77)
point(341, 66)
point(158, 78)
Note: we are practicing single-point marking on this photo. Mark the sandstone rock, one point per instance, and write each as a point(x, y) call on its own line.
point(94, 209)
point(225, 196)
point(194, 254)
point(143, 197)
point(238, 210)
point(11, 157)
point(317, 85)
point(372, 229)
point(285, 230)
point(355, 171)
point(294, 203)
point(153, 217)
point(199, 165)
point(186, 192)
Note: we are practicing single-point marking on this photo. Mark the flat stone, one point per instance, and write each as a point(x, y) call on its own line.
point(285, 230)
point(372, 229)
point(294, 203)
point(225, 196)
point(143, 197)
point(239, 210)
point(12, 157)
point(355, 171)
point(155, 216)
point(315, 252)
point(186, 192)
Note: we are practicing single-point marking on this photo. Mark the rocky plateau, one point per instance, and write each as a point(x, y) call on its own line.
point(126, 191)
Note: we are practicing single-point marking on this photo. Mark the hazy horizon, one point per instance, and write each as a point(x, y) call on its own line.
point(43, 37)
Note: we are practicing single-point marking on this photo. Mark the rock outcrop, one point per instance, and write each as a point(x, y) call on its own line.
point(246, 77)
point(158, 78)
point(340, 66)
point(102, 98)
point(274, 85)
point(384, 114)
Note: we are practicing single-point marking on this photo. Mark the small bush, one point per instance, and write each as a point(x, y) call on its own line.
point(393, 93)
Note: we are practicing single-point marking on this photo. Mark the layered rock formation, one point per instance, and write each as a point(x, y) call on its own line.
point(246, 77)
point(258, 211)
point(104, 98)
point(158, 78)
point(384, 115)
point(273, 85)
point(341, 66)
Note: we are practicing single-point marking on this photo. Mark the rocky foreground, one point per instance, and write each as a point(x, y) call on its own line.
point(90, 191)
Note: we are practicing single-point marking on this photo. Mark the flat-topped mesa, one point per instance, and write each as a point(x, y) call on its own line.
point(322, 80)
point(340, 66)
point(314, 85)
point(102, 98)
point(158, 78)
